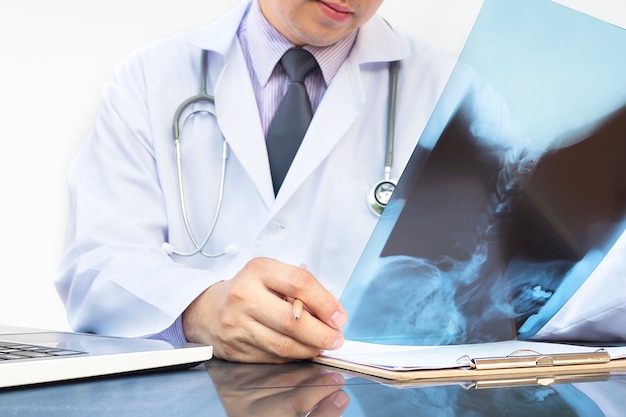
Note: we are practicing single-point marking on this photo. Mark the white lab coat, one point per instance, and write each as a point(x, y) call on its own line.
point(116, 279)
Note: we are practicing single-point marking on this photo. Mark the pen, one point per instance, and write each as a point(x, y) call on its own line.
point(297, 308)
point(297, 303)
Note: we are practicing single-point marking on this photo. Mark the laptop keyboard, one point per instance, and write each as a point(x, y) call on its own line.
point(11, 351)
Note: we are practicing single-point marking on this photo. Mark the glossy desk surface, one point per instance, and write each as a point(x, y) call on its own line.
point(304, 389)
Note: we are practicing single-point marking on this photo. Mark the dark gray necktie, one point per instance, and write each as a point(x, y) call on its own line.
point(292, 117)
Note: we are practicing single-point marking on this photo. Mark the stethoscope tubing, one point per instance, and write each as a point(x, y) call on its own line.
point(373, 201)
point(220, 195)
point(394, 68)
point(202, 96)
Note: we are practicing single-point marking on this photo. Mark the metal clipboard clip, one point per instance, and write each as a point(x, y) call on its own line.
point(543, 381)
point(532, 359)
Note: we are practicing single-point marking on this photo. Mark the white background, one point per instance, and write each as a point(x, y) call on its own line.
point(54, 57)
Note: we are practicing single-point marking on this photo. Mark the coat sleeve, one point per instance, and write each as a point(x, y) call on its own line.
point(114, 278)
point(596, 311)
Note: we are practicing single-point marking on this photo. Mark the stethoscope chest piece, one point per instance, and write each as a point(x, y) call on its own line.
point(380, 194)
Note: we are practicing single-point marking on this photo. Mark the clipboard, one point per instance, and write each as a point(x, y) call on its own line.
point(478, 380)
point(474, 374)
point(534, 359)
point(516, 365)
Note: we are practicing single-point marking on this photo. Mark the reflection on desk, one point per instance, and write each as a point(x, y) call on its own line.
point(296, 389)
point(308, 389)
point(175, 393)
point(461, 400)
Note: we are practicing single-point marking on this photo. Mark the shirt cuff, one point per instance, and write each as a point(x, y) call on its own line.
point(174, 333)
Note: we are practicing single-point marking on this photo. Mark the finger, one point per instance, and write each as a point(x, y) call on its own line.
point(284, 346)
point(268, 346)
point(307, 330)
point(297, 282)
point(300, 400)
point(256, 342)
point(280, 350)
point(333, 405)
point(288, 375)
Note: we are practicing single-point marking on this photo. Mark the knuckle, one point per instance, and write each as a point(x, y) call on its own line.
point(255, 265)
point(229, 322)
point(236, 294)
point(300, 278)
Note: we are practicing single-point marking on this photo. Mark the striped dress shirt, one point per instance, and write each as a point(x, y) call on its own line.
point(263, 46)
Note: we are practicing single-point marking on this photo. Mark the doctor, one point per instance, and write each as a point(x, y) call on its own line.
point(122, 273)
point(128, 269)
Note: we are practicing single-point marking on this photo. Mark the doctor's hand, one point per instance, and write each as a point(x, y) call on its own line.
point(249, 318)
point(262, 390)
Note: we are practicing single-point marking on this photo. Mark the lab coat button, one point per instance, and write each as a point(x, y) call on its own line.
point(274, 227)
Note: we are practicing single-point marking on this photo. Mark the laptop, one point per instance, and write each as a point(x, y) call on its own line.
point(33, 356)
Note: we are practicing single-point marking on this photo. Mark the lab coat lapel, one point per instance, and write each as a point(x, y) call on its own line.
point(239, 121)
point(235, 103)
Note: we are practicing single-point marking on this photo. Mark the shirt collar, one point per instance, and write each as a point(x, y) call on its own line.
point(376, 41)
point(267, 46)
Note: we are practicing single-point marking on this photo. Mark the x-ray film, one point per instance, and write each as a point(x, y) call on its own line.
point(515, 192)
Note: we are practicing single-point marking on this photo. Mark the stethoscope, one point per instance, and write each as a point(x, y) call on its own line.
point(380, 193)
point(202, 96)
point(377, 197)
